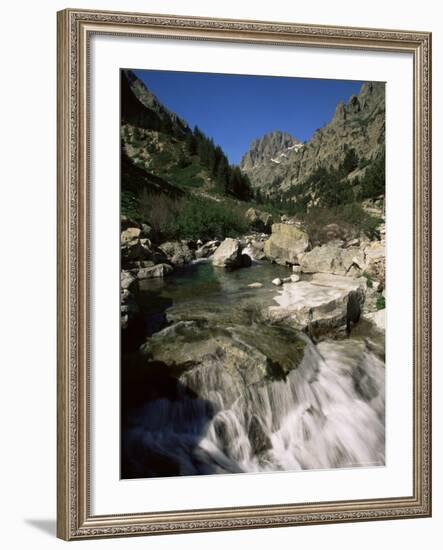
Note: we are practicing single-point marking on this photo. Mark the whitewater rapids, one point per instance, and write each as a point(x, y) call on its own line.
point(327, 413)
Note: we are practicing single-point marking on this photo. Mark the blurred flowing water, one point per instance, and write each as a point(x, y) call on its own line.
point(329, 412)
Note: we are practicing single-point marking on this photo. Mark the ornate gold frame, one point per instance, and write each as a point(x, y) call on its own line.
point(75, 28)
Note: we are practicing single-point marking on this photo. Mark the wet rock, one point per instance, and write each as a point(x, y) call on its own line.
point(232, 357)
point(228, 254)
point(286, 243)
point(294, 278)
point(255, 285)
point(257, 436)
point(326, 305)
point(277, 281)
point(177, 252)
point(159, 270)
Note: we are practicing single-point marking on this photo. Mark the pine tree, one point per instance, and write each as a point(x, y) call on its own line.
point(191, 144)
point(223, 173)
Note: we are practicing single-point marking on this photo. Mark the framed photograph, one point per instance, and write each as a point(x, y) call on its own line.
point(244, 234)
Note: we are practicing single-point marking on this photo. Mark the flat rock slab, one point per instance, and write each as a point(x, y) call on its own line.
point(324, 306)
point(332, 258)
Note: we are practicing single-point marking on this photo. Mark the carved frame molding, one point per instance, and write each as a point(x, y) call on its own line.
point(75, 28)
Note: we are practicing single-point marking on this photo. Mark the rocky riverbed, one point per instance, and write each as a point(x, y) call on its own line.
point(251, 354)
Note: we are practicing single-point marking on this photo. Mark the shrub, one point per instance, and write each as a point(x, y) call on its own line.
point(205, 219)
point(380, 303)
point(351, 218)
point(355, 215)
point(159, 211)
point(191, 217)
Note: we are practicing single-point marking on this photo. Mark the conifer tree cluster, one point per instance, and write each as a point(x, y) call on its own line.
point(230, 178)
point(331, 188)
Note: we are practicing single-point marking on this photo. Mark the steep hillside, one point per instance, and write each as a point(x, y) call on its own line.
point(350, 142)
point(162, 145)
point(140, 108)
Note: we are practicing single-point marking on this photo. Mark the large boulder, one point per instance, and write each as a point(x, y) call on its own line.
point(230, 357)
point(228, 254)
point(332, 258)
point(327, 305)
point(258, 220)
point(286, 244)
point(154, 272)
point(177, 252)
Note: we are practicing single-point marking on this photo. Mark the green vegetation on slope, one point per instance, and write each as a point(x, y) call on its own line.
point(191, 217)
point(330, 197)
point(174, 178)
point(157, 141)
point(372, 184)
point(180, 182)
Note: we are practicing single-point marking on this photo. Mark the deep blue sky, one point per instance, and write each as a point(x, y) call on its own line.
point(234, 110)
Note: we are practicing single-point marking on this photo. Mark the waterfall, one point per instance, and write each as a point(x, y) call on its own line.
point(327, 413)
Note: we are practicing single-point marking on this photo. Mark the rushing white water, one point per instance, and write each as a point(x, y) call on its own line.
point(327, 413)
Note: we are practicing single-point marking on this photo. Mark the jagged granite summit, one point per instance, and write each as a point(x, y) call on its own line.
point(270, 147)
point(274, 165)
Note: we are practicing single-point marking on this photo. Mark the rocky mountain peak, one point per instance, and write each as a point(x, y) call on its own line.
point(269, 147)
point(358, 124)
